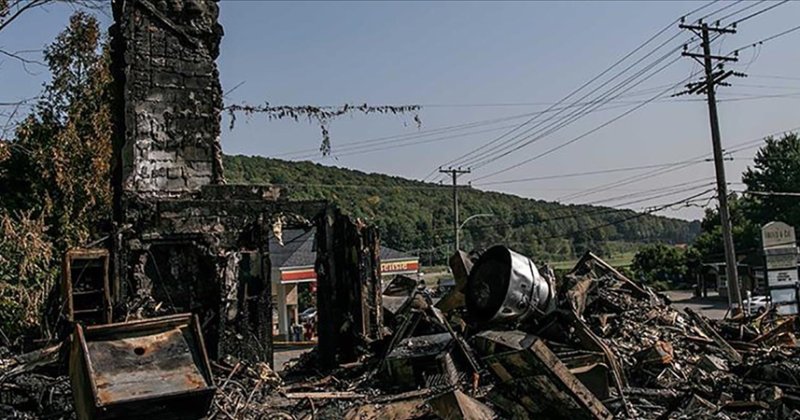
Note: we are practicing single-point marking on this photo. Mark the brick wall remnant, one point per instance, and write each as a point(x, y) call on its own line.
point(164, 54)
point(180, 233)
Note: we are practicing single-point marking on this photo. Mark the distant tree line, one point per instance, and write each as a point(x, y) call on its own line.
point(417, 217)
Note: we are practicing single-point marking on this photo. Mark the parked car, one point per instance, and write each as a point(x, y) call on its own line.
point(756, 304)
point(309, 314)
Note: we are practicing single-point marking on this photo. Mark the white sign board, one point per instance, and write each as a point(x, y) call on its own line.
point(777, 234)
point(783, 260)
point(787, 309)
point(782, 278)
point(782, 295)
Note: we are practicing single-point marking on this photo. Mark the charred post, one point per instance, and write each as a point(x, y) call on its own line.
point(348, 288)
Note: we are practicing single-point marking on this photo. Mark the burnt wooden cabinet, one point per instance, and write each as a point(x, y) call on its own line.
point(85, 286)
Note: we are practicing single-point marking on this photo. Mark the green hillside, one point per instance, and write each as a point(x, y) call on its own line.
point(416, 216)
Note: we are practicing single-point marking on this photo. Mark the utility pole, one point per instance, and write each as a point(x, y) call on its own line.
point(455, 172)
point(713, 78)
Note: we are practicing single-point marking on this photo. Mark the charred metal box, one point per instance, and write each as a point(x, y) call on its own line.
point(155, 368)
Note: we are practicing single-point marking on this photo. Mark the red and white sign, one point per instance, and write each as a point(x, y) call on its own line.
point(307, 274)
point(399, 267)
point(300, 275)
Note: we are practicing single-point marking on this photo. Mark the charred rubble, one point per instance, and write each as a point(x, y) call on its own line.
point(593, 344)
point(169, 317)
point(510, 341)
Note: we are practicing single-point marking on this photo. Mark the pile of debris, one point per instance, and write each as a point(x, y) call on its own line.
point(512, 341)
point(509, 341)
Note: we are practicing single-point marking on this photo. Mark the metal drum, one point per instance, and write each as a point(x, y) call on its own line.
point(505, 286)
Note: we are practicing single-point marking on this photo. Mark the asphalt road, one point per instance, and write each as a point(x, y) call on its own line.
point(713, 306)
point(284, 355)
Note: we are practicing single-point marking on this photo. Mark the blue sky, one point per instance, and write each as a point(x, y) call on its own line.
point(455, 59)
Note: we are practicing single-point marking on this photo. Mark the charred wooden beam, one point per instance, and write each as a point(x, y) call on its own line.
point(349, 296)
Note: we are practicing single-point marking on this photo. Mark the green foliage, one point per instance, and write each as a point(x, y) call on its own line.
point(417, 216)
point(26, 272)
point(746, 233)
point(776, 168)
point(54, 175)
point(662, 265)
point(59, 165)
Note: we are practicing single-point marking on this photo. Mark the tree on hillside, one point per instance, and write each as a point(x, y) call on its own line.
point(745, 232)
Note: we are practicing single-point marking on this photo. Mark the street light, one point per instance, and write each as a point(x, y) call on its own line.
point(474, 216)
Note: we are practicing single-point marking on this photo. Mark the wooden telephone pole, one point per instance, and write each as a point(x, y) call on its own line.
point(455, 172)
point(713, 78)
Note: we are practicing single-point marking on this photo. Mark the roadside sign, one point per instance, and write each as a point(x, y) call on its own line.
point(787, 309)
point(786, 295)
point(780, 258)
point(777, 234)
point(783, 260)
point(782, 278)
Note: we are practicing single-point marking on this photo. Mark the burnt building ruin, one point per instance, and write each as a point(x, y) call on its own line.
point(181, 234)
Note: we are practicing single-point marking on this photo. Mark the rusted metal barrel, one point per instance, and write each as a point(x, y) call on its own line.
point(505, 286)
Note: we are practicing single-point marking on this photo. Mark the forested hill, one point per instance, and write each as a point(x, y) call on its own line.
point(417, 216)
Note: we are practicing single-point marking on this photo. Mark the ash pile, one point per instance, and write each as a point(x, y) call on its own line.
point(509, 341)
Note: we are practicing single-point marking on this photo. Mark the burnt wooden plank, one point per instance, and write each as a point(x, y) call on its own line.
point(539, 381)
point(730, 353)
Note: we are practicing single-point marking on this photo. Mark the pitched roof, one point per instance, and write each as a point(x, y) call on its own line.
point(298, 250)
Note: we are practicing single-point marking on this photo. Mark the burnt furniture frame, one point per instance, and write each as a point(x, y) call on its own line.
point(90, 259)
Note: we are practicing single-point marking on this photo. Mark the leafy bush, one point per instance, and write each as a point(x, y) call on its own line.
point(26, 273)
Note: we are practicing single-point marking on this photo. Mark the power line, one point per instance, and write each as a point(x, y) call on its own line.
point(399, 144)
point(753, 4)
point(587, 173)
point(474, 163)
point(421, 133)
point(723, 8)
point(390, 145)
point(655, 193)
point(635, 216)
point(747, 144)
point(626, 181)
point(578, 138)
point(773, 193)
point(393, 139)
point(586, 84)
point(591, 211)
point(750, 16)
point(738, 147)
point(477, 164)
point(397, 140)
point(767, 39)
point(511, 145)
point(771, 76)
